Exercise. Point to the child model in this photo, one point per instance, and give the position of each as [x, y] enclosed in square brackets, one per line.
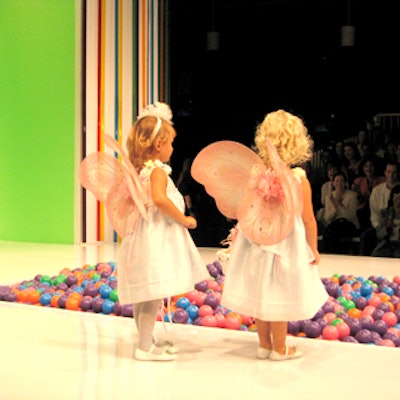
[157, 257]
[272, 272]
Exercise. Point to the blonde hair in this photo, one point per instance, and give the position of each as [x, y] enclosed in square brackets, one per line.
[142, 138]
[288, 134]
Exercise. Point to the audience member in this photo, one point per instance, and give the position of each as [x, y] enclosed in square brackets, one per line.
[351, 162]
[339, 217]
[363, 186]
[378, 202]
[388, 230]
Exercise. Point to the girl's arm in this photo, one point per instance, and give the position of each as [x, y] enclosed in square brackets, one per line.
[309, 220]
[159, 181]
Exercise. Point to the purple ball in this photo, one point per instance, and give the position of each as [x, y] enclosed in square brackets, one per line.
[212, 300]
[380, 326]
[212, 270]
[180, 316]
[86, 303]
[10, 296]
[127, 310]
[218, 265]
[117, 308]
[71, 280]
[349, 339]
[375, 337]
[322, 322]
[201, 286]
[293, 327]
[90, 290]
[355, 325]
[383, 307]
[361, 302]
[97, 304]
[328, 307]
[198, 321]
[363, 336]
[319, 314]
[332, 289]
[393, 337]
[312, 329]
[377, 314]
[366, 323]
[62, 300]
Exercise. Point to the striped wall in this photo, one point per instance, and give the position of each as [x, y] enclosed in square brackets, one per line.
[125, 67]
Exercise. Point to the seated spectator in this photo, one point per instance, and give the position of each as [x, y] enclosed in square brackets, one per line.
[363, 186]
[378, 202]
[388, 230]
[327, 188]
[339, 217]
[351, 161]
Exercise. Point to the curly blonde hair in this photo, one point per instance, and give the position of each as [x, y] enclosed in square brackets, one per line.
[141, 140]
[288, 134]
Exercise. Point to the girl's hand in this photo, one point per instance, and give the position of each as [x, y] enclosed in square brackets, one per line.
[317, 258]
[190, 222]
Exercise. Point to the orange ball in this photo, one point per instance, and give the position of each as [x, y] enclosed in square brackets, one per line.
[72, 303]
[354, 313]
[33, 297]
[54, 300]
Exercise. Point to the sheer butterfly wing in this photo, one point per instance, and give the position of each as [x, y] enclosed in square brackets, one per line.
[116, 184]
[223, 168]
[99, 172]
[263, 201]
[268, 217]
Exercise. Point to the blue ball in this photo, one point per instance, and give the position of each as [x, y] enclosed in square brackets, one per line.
[193, 311]
[45, 299]
[366, 289]
[104, 291]
[108, 306]
[183, 302]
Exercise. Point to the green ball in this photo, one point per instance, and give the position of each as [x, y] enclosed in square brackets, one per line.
[114, 295]
[336, 321]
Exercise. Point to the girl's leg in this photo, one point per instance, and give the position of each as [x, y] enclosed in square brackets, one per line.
[145, 316]
[280, 350]
[264, 334]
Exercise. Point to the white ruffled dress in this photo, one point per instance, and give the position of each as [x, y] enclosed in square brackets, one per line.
[159, 259]
[275, 282]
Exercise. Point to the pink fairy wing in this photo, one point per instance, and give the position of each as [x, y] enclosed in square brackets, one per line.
[223, 168]
[121, 210]
[269, 219]
[134, 184]
[98, 173]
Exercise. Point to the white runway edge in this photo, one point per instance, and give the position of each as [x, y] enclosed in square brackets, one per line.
[49, 353]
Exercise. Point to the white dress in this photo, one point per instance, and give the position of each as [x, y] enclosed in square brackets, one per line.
[276, 282]
[159, 259]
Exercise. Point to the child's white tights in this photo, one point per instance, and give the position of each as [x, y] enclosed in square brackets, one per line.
[145, 315]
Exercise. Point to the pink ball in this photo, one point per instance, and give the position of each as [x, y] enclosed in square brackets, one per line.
[374, 301]
[386, 342]
[205, 310]
[396, 279]
[199, 300]
[330, 332]
[343, 329]
[368, 310]
[213, 285]
[390, 318]
[192, 295]
[330, 316]
[210, 321]
[220, 318]
[232, 323]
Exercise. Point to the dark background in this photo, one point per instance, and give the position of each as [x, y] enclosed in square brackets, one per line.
[280, 54]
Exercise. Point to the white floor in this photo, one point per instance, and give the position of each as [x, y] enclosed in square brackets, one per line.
[48, 353]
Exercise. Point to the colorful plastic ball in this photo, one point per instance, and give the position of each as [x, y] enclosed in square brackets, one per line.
[180, 316]
[45, 278]
[104, 291]
[363, 336]
[114, 295]
[71, 280]
[213, 270]
[73, 303]
[386, 343]
[183, 302]
[90, 290]
[366, 289]
[210, 321]
[193, 311]
[367, 322]
[377, 314]
[313, 329]
[107, 307]
[394, 337]
[62, 300]
[220, 318]
[86, 303]
[192, 295]
[201, 286]
[127, 310]
[349, 339]
[205, 309]
[45, 299]
[199, 300]
[343, 329]
[97, 304]
[330, 332]
[380, 326]
[212, 300]
[233, 322]
[390, 318]
[361, 302]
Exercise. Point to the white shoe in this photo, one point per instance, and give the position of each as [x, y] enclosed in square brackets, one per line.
[167, 347]
[275, 356]
[262, 353]
[142, 355]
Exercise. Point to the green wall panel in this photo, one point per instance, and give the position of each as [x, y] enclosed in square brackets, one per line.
[37, 120]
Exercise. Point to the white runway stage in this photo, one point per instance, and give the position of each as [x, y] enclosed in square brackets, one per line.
[50, 353]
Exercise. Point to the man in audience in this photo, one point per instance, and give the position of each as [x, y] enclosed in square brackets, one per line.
[378, 202]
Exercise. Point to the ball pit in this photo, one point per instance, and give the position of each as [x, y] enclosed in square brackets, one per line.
[359, 309]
